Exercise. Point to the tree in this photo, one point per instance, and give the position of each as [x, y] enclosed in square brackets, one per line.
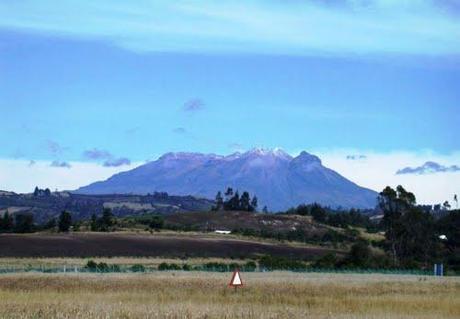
[327, 261]
[389, 203]
[229, 193]
[449, 225]
[265, 210]
[157, 222]
[23, 223]
[104, 223]
[409, 230]
[6, 222]
[359, 255]
[254, 204]
[232, 203]
[244, 202]
[446, 205]
[235, 202]
[219, 201]
[318, 213]
[417, 237]
[106, 220]
[51, 224]
[76, 226]
[36, 191]
[302, 210]
[65, 221]
[94, 225]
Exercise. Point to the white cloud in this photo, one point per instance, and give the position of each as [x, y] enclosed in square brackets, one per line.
[20, 176]
[268, 26]
[378, 170]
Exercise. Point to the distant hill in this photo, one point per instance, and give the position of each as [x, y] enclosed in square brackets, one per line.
[279, 180]
[44, 207]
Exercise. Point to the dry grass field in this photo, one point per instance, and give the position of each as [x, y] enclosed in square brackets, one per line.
[206, 295]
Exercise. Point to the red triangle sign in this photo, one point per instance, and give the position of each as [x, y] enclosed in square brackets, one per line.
[236, 279]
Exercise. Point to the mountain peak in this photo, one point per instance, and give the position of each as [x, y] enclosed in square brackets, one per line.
[187, 156]
[276, 152]
[306, 157]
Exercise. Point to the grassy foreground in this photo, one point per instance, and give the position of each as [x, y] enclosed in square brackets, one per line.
[206, 295]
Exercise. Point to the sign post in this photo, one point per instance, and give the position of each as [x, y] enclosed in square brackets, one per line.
[236, 280]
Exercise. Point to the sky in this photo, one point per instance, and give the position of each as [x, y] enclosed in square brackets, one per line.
[88, 89]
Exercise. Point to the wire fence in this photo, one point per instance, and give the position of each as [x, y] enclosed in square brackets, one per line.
[204, 268]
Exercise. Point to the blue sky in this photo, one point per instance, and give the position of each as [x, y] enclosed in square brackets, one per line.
[136, 79]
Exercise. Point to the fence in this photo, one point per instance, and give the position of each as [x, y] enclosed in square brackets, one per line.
[151, 269]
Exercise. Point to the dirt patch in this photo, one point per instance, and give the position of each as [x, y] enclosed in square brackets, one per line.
[143, 245]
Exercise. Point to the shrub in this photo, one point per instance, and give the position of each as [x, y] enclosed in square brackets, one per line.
[102, 267]
[24, 223]
[137, 268]
[250, 266]
[214, 266]
[91, 264]
[233, 266]
[327, 261]
[65, 221]
[280, 263]
[165, 266]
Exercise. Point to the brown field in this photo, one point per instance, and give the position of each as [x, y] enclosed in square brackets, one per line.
[229, 220]
[166, 245]
[206, 295]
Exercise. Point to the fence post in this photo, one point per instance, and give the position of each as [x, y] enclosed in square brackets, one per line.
[439, 270]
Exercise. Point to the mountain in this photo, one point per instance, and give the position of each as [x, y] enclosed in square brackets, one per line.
[279, 180]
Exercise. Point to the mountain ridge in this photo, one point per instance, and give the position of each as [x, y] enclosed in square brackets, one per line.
[279, 180]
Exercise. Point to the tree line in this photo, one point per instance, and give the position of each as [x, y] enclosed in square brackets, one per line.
[336, 218]
[232, 201]
[24, 222]
[414, 236]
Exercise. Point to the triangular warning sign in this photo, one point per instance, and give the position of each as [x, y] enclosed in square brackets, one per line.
[236, 279]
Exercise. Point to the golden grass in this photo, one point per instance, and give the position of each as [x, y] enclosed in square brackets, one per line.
[206, 295]
[370, 236]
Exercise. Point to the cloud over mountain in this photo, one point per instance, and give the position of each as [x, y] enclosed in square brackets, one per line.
[354, 157]
[428, 168]
[110, 159]
[60, 164]
[116, 162]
